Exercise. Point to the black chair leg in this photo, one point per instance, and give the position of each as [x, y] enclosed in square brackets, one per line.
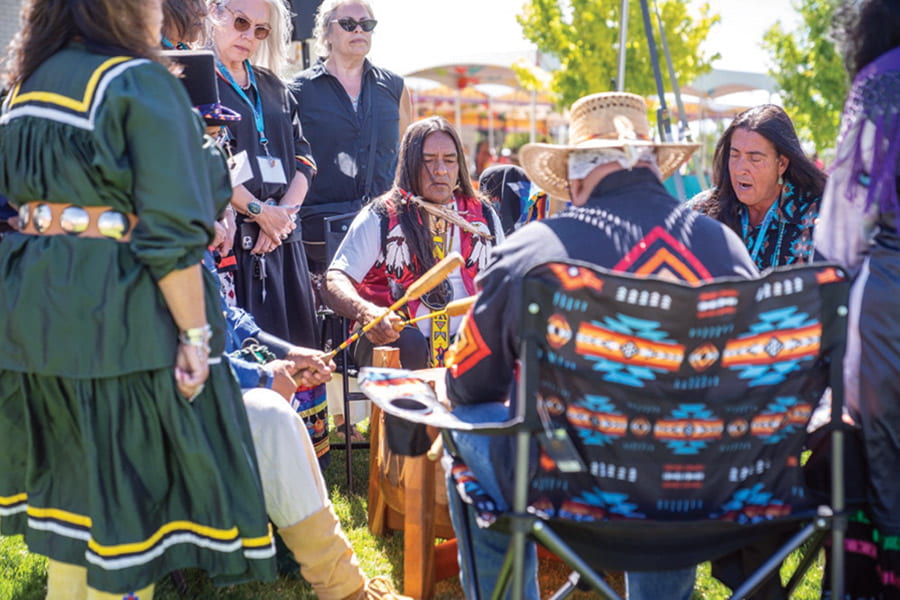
[806, 562]
[504, 578]
[557, 546]
[345, 368]
[771, 566]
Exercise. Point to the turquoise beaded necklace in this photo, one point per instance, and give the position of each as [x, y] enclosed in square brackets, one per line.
[772, 213]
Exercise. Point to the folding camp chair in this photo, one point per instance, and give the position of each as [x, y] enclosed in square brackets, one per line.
[666, 420]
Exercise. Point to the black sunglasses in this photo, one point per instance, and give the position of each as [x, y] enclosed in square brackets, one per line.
[349, 24]
[241, 25]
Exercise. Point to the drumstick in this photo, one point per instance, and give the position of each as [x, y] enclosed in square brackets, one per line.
[437, 448]
[453, 309]
[424, 284]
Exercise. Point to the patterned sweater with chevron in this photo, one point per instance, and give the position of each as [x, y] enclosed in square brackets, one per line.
[629, 223]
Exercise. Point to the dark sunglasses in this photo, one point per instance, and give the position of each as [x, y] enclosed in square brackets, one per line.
[348, 24]
[241, 24]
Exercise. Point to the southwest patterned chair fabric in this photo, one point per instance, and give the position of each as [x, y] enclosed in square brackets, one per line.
[657, 405]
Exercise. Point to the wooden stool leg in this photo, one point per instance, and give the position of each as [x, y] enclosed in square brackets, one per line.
[418, 531]
[378, 508]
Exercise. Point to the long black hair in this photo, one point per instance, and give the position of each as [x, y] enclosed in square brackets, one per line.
[183, 19]
[48, 25]
[866, 30]
[771, 122]
[413, 220]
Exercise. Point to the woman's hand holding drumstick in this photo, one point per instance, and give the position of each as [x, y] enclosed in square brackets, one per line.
[424, 284]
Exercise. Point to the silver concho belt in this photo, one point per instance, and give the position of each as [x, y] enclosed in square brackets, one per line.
[54, 218]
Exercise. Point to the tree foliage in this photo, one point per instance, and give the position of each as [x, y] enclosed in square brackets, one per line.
[584, 36]
[810, 73]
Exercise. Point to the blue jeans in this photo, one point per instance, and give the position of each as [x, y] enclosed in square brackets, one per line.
[487, 548]
[484, 547]
[677, 584]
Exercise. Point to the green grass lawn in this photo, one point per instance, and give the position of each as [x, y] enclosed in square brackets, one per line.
[22, 575]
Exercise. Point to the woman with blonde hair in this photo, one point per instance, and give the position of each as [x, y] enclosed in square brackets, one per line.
[249, 38]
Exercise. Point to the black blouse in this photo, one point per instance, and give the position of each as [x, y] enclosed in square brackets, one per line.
[341, 139]
[282, 128]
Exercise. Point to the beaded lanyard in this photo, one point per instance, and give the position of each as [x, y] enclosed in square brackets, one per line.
[442, 235]
[255, 107]
[760, 236]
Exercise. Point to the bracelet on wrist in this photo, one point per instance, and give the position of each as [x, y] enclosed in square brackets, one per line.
[197, 336]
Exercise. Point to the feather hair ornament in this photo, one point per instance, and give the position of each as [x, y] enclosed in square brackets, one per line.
[442, 212]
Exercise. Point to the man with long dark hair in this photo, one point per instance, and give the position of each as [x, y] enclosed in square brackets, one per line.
[431, 210]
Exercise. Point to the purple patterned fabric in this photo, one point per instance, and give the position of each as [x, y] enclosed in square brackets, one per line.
[874, 97]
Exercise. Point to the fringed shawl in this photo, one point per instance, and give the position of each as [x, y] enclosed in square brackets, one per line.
[869, 155]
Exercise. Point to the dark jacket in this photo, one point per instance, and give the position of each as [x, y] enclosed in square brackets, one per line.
[630, 224]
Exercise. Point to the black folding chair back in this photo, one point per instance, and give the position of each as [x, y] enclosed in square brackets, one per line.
[659, 424]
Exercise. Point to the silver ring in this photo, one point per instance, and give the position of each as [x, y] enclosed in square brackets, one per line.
[284, 236]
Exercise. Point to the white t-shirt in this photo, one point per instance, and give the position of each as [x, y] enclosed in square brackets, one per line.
[362, 247]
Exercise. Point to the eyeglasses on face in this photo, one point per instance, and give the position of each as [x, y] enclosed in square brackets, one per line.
[242, 24]
[349, 24]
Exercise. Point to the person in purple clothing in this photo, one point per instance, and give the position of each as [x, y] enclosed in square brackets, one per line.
[622, 219]
[859, 228]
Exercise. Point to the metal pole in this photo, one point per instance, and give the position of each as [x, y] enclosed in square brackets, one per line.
[685, 132]
[305, 54]
[662, 115]
[458, 111]
[623, 41]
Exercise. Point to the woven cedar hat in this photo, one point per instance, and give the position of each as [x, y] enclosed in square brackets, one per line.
[607, 120]
[198, 74]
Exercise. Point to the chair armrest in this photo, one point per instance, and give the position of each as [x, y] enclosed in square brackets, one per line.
[403, 394]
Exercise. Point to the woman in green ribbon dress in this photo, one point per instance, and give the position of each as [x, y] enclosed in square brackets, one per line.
[124, 446]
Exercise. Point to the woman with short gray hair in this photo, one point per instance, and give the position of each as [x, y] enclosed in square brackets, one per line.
[354, 115]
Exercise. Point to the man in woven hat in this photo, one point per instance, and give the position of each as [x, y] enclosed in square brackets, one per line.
[621, 218]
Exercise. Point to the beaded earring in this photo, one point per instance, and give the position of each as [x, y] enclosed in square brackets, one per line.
[780, 180]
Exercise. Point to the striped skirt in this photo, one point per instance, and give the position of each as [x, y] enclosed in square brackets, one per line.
[123, 476]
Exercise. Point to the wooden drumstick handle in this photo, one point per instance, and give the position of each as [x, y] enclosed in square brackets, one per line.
[432, 277]
[453, 309]
[461, 306]
[437, 448]
[424, 284]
